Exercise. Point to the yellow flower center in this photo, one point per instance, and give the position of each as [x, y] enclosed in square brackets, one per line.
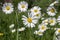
[35, 10]
[58, 30]
[23, 6]
[52, 10]
[29, 20]
[37, 14]
[51, 21]
[43, 27]
[1, 34]
[8, 7]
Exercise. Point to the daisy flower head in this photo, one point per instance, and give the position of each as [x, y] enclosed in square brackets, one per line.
[46, 21]
[42, 27]
[7, 8]
[29, 21]
[38, 15]
[57, 31]
[52, 21]
[22, 6]
[51, 11]
[38, 33]
[35, 10]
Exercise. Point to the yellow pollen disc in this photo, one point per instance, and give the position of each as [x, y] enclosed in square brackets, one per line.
[29, 20]
[8, 7]
[51, 21]
[43, 27]
[22, 6]
[1, 34]
[37, 14]
[52, 10]
[35, 10]
[58, 30]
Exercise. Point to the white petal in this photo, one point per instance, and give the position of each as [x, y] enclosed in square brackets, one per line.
[32, 25]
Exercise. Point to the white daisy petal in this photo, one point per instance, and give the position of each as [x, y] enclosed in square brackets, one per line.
[32, 25]
[11, 26]
[38, 33]
[21, 29]
[58, 19]
[14, 30]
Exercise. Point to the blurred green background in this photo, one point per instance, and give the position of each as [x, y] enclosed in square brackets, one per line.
[7, 19]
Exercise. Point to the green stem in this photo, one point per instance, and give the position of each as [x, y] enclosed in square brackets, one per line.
[17, 25]
[30, 34]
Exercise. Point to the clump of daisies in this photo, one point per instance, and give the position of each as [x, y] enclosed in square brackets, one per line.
[51, 21]
[22, 6]
[32, 19]
[42, 28]
[7, 8]
[36, 10]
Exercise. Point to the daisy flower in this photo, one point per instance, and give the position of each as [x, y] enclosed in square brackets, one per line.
[42, 27]
[38, 33]
[52, 21]
[38, 15]
[23, 6]
[29, 21]
[51, 11]
[7, 8]
[57, 31]
[35, 10]
[46, 21]
[21, 29]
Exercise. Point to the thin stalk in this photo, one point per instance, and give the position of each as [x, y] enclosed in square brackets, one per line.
[30, 30]
[17, 25]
